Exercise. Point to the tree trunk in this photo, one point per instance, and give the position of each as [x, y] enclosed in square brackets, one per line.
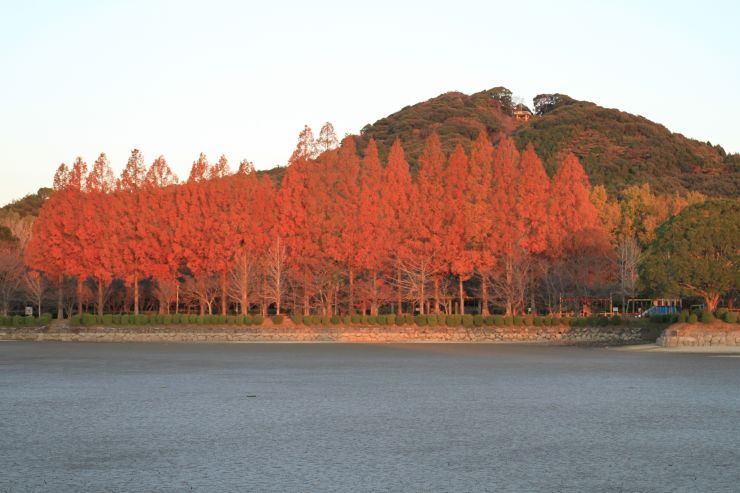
[101, 288]
[374, 304]
[351, 293]
[711, 300]
[305, 296]
[462, 294]
[223, 293]
[60, 298]
[79, 296]
[177, 298]
[245, 291]
[484, 295]
[399, 308]
[436, 296]
[136, 295]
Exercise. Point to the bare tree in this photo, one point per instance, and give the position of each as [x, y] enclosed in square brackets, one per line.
[628, 257]
[275, 273]
[167, 291]
[35, 286]
[202, 290]
[242, 280]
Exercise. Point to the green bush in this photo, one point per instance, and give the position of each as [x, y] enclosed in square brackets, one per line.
[478, 320]
[509, 321]
[346, 319]
[408, 319]
[467, 320]
[453, 320]
[499, 320]
[257, 319]
[247, 320]
[720, 313]
[432, 320]
[29, 320]
[88, 320]
[356, 318]
[336, 319]
[684, 316]
[518, 320]
[420, 320]
[489, 320]
[141, 320]
[526, 321]
[693, 318]
[730, 317]
[372, 320]
[167, 319]
[107, 319]
[277, 319]
[707, 317]
[46, 318]
[297, 319]
[400, 320]
[537, 321]
[75, 320]
[125, 319]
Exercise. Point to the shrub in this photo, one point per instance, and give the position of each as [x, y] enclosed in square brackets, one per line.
[693, 318]
[372, 320]
[683, 316]
[107, 319]
[478, 320]
[75, 320]
[46, 318]
[707, 317]
[537, 321]
[257, 319]
[166, 319]
[467, 320]
[357, 319]
[88, 320]
[29, 321]
[720, 313]
[508, 321]
[499, 320]
[336, 319]
[408, 319]
[3, 321]
[247, 320]
[347, 319]
[432, 320]
[325, 320]
[730, 317]
[518, 320]
[297, 319]
[277, 319]
[420, 320]
[363, 319]
[526, 320]
[400, 320]
[453, 320]
[489, 320]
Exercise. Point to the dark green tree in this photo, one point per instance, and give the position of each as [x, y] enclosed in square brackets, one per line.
[696, 253]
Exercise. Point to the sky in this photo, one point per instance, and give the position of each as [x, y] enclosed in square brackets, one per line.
[78, 78]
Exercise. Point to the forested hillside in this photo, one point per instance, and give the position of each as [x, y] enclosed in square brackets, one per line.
[617, 149]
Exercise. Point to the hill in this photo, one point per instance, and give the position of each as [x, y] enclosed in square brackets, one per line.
[617, 149]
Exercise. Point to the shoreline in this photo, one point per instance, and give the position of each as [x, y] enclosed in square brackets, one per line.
[546, 335]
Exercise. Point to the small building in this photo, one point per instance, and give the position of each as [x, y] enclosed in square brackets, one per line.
[522, 113]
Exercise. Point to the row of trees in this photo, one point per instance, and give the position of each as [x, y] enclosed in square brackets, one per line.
[343, 233]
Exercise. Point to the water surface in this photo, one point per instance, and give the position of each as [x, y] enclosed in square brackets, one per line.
[334, 417]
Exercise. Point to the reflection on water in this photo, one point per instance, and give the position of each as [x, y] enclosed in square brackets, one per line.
[315, 417]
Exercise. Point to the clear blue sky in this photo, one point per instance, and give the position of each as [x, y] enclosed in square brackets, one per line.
[242, 78]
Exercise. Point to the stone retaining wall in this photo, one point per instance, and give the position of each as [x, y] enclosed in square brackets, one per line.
[372, 334]
[697, 335]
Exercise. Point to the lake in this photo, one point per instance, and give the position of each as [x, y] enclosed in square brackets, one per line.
[344, 417]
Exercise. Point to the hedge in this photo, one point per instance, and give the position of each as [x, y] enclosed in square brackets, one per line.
[730, 317]
[707, 317]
